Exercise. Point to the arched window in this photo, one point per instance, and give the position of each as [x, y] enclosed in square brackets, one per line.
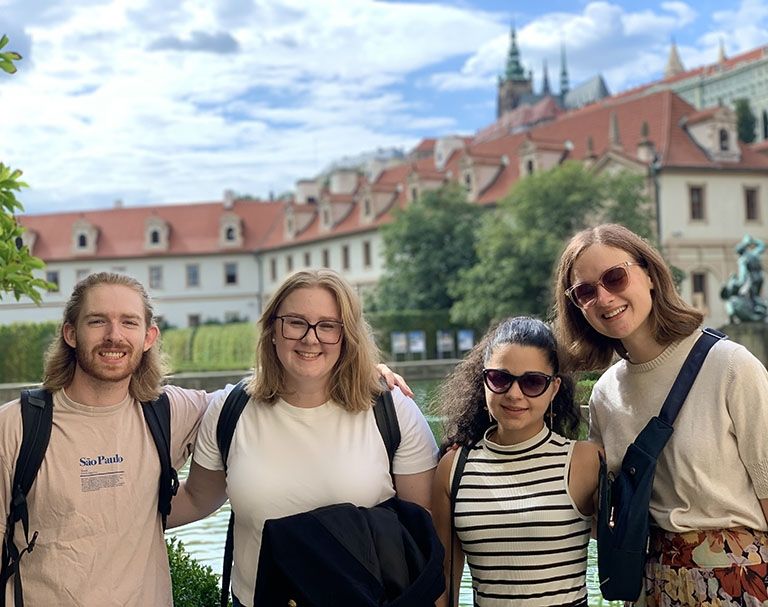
[529, 167]
[230, 234]
[723, 140]
[154, 236]
[82, 241]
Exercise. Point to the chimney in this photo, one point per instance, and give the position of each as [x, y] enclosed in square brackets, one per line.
[229, 199]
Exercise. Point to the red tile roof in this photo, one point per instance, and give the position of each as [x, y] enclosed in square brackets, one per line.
[194, 229]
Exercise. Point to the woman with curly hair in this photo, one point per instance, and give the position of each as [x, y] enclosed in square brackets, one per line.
[522, 513]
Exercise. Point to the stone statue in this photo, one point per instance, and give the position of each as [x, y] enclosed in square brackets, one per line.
[742, 292]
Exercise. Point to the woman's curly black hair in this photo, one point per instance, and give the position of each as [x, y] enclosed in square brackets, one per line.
[460, 400]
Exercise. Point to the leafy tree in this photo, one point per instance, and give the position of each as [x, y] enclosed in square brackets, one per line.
[424, 248]
[519, 244]
[16, 262]
[745, 120]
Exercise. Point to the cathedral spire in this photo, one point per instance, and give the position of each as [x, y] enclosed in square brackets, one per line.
[721, 52]
[564, 85]
[514, 71]
[674, 65]
[545, 90]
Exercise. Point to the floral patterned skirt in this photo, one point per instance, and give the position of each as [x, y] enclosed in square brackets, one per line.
[716, 567]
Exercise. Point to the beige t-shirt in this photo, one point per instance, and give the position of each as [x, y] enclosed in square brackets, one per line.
[94, 503]
[715, 466]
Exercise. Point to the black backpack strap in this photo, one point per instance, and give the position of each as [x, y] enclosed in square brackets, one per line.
[157, 414]
[690, 369]
[458, 470]
[36, 421]
[388, 425]
[228, 417]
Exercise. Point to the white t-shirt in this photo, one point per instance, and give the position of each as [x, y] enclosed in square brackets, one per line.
[286, 459]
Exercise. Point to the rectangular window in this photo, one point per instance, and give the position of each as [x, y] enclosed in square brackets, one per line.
[52, 276]
[155, 277]
[751, 210]
[273, 269]
[230, 273]
[193, 275]
[696, 198]
[345, 257]
[699, 288]
[326, 259]
[307, 259]
[367, 253]
[289, 263]
[193, 320]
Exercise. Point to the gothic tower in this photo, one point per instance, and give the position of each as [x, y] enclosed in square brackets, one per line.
[514, 84]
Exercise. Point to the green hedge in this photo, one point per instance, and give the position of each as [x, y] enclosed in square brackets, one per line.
[23, 347]
[211, 347]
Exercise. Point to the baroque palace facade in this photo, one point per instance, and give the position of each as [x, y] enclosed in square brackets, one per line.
[221, 259]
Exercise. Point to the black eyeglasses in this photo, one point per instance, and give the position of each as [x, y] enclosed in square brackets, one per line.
[296, 328]
[531, 383]
[614, 280]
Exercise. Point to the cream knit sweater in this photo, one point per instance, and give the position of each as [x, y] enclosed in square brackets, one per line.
[715, 467]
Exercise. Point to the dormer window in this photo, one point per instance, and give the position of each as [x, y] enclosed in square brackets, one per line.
[230, 230]
[529, 167]
[367, 206]
[468, 181]
[723, 140]
[156, 234]
[84, 236]
[326, 217]
[414, 193]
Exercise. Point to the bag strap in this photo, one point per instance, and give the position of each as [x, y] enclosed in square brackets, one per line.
[458, 470]
[36, 422]
[388, 425]
[225, 429]
[690, 369]
[157, 415]
[653, 438]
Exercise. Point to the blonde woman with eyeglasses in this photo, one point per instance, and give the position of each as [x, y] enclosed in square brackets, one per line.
[709, 543]
[307, 437]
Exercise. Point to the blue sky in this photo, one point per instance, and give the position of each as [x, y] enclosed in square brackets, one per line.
[169, 101]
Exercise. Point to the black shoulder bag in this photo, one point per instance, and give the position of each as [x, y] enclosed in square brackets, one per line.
[623, 520]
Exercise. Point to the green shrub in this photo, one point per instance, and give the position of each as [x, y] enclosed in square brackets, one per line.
[194, 585]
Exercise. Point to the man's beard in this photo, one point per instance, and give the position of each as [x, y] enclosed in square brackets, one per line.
[88, 362]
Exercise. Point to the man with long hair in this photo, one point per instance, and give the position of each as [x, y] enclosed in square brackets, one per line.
[94, 502]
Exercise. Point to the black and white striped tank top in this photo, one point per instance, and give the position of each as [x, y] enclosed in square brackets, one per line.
[524, 539]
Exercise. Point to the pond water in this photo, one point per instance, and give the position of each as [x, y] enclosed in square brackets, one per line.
[204, 540]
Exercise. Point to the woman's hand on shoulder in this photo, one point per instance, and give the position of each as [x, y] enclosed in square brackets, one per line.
[393, 379]
[584, 473]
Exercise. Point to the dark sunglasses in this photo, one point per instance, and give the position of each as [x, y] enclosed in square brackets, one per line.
[531, 383]
[614, 280]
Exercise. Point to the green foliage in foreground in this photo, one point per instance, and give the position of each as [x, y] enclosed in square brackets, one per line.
[194, 585]
[16, 262]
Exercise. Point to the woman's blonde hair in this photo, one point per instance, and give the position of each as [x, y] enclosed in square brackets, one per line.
[61, 359]
[670, 318]
[353, 383]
